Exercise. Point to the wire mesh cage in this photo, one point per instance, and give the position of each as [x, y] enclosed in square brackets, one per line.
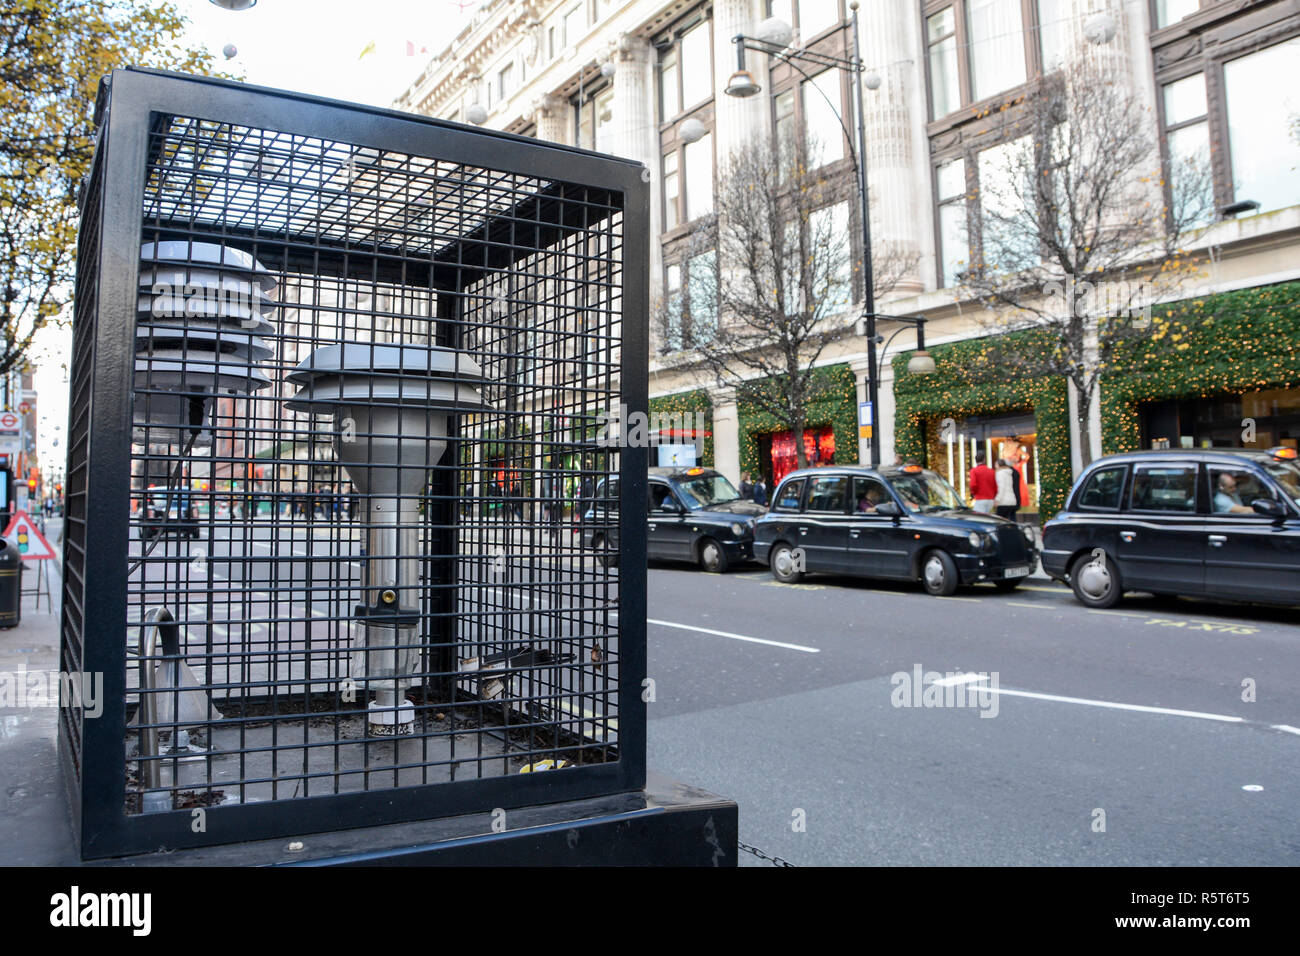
[340, 378]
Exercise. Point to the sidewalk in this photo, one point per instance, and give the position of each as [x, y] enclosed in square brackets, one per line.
[35, 828]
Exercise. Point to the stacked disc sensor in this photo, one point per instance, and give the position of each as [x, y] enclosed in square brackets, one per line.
[200, 331]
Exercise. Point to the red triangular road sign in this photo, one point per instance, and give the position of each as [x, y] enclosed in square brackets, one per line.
[31, 544]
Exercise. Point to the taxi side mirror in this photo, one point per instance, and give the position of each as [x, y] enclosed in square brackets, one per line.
[889, 509]
[671, 506]
[1269, 507]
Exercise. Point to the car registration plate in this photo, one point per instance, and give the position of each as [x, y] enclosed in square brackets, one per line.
[1017, 572]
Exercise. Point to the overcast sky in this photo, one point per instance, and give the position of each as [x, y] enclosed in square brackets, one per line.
[310, 46]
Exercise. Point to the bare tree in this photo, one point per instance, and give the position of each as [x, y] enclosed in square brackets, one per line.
[771, 281]
[1073, 233]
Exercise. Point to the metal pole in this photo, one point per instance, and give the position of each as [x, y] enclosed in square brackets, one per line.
[868, 278]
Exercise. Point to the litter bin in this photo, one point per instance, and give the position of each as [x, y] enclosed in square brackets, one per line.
[11, 585]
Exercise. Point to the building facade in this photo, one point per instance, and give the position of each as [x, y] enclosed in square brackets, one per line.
[1220, 79]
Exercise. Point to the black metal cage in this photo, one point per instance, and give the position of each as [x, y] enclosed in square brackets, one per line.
[341, 382]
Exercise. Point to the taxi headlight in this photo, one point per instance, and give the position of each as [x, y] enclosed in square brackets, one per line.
[738, 529]
[1028, 533]
[976, 540]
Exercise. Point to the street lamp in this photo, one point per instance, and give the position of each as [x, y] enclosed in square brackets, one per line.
[773, 37]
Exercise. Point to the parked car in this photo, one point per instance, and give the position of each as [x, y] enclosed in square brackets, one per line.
[903, 523]
[1222, 523]
[693, 514]
[169, 512]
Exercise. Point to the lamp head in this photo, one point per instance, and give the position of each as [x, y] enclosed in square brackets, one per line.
[921, 363]
[742, 84]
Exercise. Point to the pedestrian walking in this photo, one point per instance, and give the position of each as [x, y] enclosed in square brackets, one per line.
[1007, 500]
[759, 492]
[983, 484]
[746, 486]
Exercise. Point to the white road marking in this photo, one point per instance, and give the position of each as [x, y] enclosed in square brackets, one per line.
[960, 679]
[735, 637]
[1287, 728]
[1113, 705]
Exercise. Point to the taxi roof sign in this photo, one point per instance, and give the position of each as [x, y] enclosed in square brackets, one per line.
[23, 534]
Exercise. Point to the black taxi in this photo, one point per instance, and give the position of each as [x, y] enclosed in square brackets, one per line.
[1195, 522]
[693, 514]
[902, 522]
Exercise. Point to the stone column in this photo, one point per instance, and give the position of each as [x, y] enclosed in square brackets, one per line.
[552, 119]
[737, 121]
[726, 433]
[898, 210]
[861, 373]
[637, 137]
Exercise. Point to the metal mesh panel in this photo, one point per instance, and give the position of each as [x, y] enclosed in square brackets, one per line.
[372, 561]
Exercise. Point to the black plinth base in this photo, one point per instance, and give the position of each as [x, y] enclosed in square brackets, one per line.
[667, 824]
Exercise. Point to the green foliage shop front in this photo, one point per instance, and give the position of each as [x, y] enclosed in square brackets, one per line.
[941, 419]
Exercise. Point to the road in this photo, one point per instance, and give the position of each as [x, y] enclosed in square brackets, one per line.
[1132, 719]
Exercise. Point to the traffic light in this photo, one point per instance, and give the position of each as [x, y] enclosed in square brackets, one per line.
[31, 484]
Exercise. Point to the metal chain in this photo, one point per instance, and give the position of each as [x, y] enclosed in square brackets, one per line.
[774, 860]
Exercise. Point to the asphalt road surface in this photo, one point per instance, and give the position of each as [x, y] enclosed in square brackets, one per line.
[1114, 738]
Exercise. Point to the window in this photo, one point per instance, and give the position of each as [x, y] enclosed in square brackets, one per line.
[702, 305]
[954, 244]
[698, 166]
[671, 191]
[1103, 489]
[692, 314]
[670, 94]
[867, 494]
[1262, 94]
[828, 494]
[997, 53]
[1168, 488]
[822, 109]
[945, 81]
[1053, 33]
[783, 123]
[594, 120]
[1002, 188]
[505, 80]
[1187, 134]
[810, 17]
[673, 334]
[829, 239]
[697, 65]
[1233, 489]
[1171, 11]
[789, 495]
[976, 49]
[572, 25]
[552, 44]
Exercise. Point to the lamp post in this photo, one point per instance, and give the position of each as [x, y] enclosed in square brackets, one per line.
[774, 38]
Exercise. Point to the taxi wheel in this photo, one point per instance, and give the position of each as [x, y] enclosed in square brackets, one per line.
[712, 557]
[1095, 581]
[782, 563]
[939, 573]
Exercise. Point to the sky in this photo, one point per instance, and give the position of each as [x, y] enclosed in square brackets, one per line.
[309, 46]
